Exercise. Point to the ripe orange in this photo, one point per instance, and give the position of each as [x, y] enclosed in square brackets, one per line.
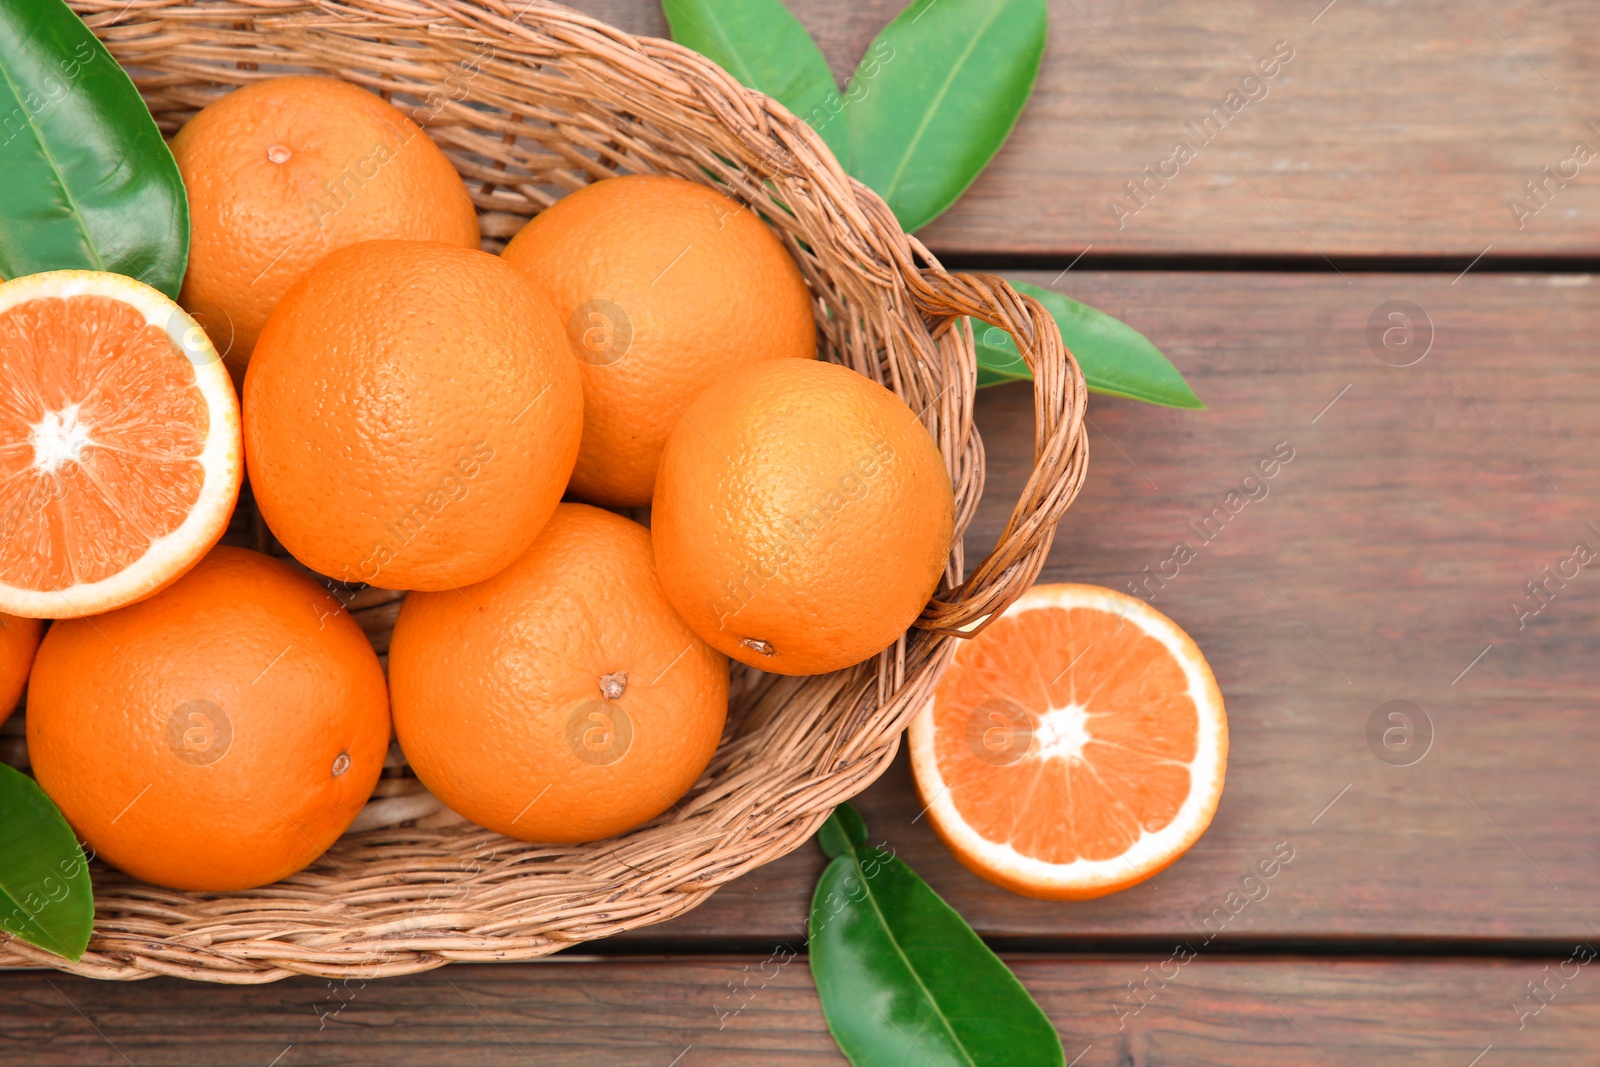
[284, 171]
[562, 700]
[411, 414]
[802, 517]
[220, 735]
[19, 640]
[664, 286]
[1075, 747]
[119, 443]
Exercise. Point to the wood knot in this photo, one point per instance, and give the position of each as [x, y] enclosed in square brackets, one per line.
[613, 685]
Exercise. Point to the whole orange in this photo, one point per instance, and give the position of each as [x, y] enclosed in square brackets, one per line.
[19, 640]
[562, 700]
[411, 415]
[664, 286]
[802, 518]
[284, 171]
[219, 735]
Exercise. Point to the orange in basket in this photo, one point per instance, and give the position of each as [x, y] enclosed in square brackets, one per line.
[219, 735]
[284, 171]
[119, 443]
[529, 113]
[19, 640]
[666, 286]
[563, 699]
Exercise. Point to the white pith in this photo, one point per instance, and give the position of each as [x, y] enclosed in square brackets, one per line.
[59, 438]
[1062, 732]
[1057, 734]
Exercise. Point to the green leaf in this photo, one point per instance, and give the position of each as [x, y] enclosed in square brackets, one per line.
[1116, 359]
[766, 48]
[89, 183]
[903, 979]
[45, 898]
[936, 97]
[844, 832]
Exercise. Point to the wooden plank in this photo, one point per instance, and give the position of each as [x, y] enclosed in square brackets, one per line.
[1395, 129]
[1380, 566]
[1383, 561]
[1208, 1011]
[1393, 544]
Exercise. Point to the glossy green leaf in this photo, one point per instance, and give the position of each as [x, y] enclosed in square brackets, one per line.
[766, 48]
[902, 978]
[1116, 359]
[936, 97]
[88, 181]
[45, 898]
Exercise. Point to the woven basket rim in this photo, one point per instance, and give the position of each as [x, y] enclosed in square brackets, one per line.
[888, 309]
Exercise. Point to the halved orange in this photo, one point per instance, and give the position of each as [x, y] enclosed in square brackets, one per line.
[120, 453]
[1075, 747]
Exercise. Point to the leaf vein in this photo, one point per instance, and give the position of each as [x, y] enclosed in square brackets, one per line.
[938, 101]
[55, 169]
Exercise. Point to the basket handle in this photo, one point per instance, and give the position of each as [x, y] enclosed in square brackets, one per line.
[1060, 444]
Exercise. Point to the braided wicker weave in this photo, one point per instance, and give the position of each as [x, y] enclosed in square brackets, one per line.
[532, 102]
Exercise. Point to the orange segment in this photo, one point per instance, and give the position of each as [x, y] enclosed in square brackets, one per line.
[119, 443]
[1074, 748]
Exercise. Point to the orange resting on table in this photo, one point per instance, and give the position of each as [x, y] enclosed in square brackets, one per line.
[120, 456]
[1075, 747]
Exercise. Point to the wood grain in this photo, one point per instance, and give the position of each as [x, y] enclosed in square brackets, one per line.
[1396, 129]
[1209, 1011]
[1383, 560]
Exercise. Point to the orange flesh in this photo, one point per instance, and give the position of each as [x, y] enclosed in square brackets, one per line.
[102, 426]
[1138, 733]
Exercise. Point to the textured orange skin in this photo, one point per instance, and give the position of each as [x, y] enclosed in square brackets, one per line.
[706, 287]
[802, 505]
[357, 170]
[487, 684]
[411, 415]
[104, 689]
[19, 640]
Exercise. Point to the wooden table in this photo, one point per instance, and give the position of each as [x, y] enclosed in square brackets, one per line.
[1437, 913]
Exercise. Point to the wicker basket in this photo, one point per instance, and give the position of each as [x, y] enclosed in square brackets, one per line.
[533, 102]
